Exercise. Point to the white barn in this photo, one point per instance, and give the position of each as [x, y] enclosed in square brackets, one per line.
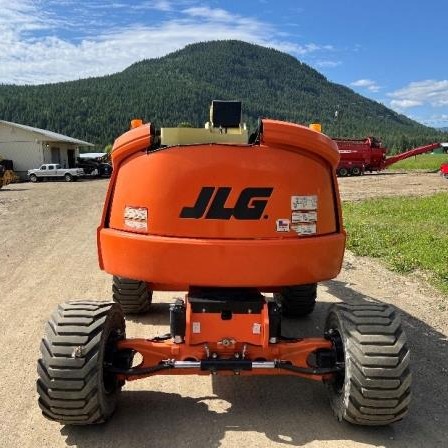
[30, 147]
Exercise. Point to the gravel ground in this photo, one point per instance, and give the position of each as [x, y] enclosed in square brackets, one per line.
[48, 255]
[388, 183]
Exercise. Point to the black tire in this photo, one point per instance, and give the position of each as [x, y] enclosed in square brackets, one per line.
[68, 177]
[375, 386]
[356, 171]
[72, 386]
[33, 178]
[134, 296]
[297, 301]
[342, 172]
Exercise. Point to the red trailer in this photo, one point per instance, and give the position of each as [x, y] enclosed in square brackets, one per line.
[444, 170]
[361, 155]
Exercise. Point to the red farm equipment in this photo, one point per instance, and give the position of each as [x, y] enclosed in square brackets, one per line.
[361, 155]
[444, 170]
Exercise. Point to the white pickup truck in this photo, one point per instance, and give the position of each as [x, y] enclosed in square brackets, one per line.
[55, 171]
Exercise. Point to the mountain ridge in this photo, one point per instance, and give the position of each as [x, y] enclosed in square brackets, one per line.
[179, 87]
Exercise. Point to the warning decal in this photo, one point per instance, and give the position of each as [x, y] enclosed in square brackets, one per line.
[310, 216]
[305, 228]
[304, 202]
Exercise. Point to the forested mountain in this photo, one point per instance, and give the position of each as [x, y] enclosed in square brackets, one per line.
[180, 86]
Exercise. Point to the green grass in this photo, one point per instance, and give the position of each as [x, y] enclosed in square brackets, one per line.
[430, 162]
[407, 233]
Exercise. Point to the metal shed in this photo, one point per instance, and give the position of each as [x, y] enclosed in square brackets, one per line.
[30, 147]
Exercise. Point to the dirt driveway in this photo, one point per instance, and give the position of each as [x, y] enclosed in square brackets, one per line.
[391, 183]
[48, 255]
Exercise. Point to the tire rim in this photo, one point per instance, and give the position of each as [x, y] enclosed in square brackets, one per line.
[339, 377]
[110, 382]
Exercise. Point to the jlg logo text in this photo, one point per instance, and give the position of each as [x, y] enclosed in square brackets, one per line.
[211, 204]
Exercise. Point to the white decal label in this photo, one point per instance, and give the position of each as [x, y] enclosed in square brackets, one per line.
[138, 213]
[136, 218]
[310, 216]
[138, 225]
[196, 327]
[282, 225]
[256, 328]
[304, 202]
[305, 229]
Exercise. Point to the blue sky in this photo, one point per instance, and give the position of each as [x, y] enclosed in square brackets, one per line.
[392, 51]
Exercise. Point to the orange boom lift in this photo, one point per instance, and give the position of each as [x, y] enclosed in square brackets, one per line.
[247, 226]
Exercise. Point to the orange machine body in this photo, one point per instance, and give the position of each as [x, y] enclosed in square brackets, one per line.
[261, 215]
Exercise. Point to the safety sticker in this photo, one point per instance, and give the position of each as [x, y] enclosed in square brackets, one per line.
[282, 225]
[139, 225]
[310, 216]
[304, 202]
[196, 327]
[305, 228]
[256, 328]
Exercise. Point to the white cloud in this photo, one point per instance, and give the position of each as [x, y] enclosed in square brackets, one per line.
[161, 5]
[404, 104]
[436, 120]
[327, 64]
[429, 92]
[20, 17]
[368, 84]
[101, 46]
[219, 15]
